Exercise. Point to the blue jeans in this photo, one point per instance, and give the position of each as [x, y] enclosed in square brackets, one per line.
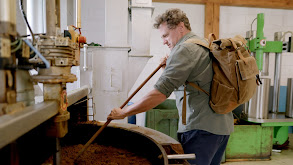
[207, 147]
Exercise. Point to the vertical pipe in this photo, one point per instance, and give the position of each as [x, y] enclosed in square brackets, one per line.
[12, 12]
[78, 13]
[252, 104]
[289, 99]
[35, 16]
[8, 11]
[263, 103]
[85, 57]
[58, 24]
[277, 83]
[8, 17]
[57, 155]
[265, 68]
[51, 17]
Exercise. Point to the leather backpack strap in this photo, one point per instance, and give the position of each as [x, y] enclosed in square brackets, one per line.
[211, 38]
[237, 49]
[184, 107]
[198, 42]
[184, 99]
[197, 87]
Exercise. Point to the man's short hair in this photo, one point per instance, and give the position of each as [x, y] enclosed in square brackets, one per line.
[172, 17]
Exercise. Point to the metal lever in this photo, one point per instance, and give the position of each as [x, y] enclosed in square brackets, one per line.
[179, 156]
[182, 156]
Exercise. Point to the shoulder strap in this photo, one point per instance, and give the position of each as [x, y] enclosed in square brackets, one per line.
[197, 87]
[198, 42]
[184, 99]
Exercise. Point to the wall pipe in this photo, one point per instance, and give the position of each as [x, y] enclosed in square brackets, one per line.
[85, 67]
[78, 13]
[51, 17]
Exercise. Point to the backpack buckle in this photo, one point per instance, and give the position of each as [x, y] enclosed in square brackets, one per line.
[258, 81]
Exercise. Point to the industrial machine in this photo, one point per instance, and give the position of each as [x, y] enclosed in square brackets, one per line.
[31, 133]
[263, 127]
[258, 110]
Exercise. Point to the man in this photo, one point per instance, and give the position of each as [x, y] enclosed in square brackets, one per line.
[206, 133]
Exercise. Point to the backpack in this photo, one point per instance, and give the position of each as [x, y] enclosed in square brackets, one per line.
[235, 74]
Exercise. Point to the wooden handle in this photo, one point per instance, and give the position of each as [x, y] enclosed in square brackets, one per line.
[108, 121]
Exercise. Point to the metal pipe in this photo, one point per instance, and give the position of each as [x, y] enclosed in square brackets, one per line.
[38, 53]
[263, 99]
[85, 57]
[35, 15]
[78, 13]
[8, 11]
[58, 23]
[289, 98]
[181, 156]
[57, 155]
[51, 17]
[265, 67]
[277, 82]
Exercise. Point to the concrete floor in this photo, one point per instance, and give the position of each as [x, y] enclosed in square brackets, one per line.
[283, 158]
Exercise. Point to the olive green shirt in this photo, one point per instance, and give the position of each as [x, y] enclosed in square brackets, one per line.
[191, 62]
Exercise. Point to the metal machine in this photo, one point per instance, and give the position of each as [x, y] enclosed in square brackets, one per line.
[29, 132]
[262, 128]
[258, 109]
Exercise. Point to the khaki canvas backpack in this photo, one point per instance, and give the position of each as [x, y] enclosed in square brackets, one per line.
[235, 74]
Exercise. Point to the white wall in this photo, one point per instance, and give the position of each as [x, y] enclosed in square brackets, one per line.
[93, 20]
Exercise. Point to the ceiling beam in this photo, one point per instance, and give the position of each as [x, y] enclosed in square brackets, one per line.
[274, 4]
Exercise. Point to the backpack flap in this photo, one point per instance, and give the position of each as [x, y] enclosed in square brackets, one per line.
[247, 69]
[246, 76]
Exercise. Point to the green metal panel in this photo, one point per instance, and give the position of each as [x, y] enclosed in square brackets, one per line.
[259, 38]
[250, 142]
[271, 46]
[164, 118]
[274, 47]
[280, 135]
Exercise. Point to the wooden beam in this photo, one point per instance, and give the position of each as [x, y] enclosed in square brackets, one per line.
[216, 19]
[183, 1]
[212, 16]
[208, 20]
[274, 4]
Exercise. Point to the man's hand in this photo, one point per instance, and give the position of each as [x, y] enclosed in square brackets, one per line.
[117, 113]
[163, 61]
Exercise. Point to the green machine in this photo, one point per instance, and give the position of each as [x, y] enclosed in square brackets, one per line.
[261, 49]
[266, 127]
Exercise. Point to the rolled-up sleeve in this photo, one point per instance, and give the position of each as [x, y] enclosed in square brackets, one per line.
[178, 67]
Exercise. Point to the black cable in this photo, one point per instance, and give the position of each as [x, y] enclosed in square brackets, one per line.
[25, 20]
